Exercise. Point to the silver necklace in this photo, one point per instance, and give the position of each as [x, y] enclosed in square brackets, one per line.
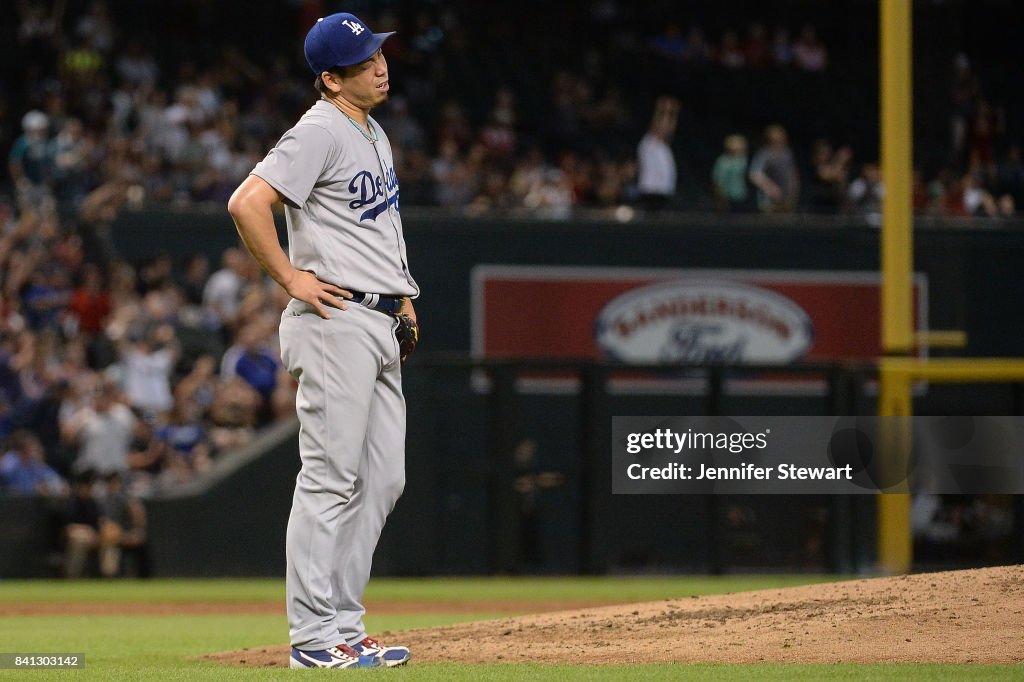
[374, 138]
[362, 131]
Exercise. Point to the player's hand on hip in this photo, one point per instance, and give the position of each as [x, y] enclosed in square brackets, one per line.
[408, 309]
[305, 286]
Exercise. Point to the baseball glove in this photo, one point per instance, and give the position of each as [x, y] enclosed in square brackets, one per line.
[407, 333]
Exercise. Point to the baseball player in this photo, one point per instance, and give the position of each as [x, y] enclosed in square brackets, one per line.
[344, 334]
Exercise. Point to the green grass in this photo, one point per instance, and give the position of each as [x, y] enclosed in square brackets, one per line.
[150, 647]
[227, 590]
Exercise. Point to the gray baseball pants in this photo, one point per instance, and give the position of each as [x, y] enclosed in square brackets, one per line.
[352, 444]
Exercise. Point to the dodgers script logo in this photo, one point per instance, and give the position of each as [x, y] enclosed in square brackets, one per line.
[369, 188]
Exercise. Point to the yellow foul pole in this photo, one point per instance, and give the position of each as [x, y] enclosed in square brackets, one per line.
[894, 533]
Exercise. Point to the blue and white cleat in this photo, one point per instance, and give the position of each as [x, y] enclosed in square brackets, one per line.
[340, 656]
[389, 656]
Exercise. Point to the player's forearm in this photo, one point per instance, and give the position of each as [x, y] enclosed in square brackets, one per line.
[259, 234]
[251, 208]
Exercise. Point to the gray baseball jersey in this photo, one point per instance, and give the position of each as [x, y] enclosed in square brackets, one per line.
[341, 203]
[348, 232]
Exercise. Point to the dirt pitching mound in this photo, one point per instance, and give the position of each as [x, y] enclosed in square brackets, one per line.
[973, 616]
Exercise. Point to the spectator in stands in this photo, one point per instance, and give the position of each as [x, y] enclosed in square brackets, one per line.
[71, 154]
[920, 193]
[81, 524]
[782, 48]
[984, 127]
[866, 193]
[655, 159]
[499, 133]
[87, 531]
[254, 359]
[95, 28]
[1007, 206]
[17, 355]
[527, 173]
[82, 66]
[100, 208]
[222, 295]
[234, 414]
[38, 371]
[102, 431]
[6, 413]
[757, 51]
[729, 176]
[31, 162]
[198, 386]
[24, 471]
[45, 295]
[135, 66]
[454, 179]
[145, 457]
[182, 445]
[90, 303]
[147, 360]
[698, 50]
[826, 191]
[454, 125]
[809, 54]
[948, 190]
[670, 45]
[979, 201]
[552, 197]
[42, 417]
[773, 172]
[129, 130]
[579, 175]
[730, 53]
[1010, 175]
[124, 523]
[610, 185]
[192, 278]
[155, 275]
[494, 195]
[966, 91]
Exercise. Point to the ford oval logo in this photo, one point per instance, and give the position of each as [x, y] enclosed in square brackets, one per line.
[703, 321]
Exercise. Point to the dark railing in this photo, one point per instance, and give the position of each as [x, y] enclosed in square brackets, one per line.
[590, 382]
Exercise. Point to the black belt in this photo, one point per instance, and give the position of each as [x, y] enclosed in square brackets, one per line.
[389, 305]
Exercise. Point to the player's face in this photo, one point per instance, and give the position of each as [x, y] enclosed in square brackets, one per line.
[367, 83]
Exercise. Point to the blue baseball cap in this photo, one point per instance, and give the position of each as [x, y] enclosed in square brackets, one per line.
[340, 40]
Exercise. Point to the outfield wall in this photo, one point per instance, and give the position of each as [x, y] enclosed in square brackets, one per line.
[973, 270]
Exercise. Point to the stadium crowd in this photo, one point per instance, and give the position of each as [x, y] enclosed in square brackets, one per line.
[102, 105]
[150, 370]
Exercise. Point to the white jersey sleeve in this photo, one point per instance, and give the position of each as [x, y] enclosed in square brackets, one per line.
[297, 162]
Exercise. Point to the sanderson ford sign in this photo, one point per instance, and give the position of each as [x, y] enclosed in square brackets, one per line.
[701, 321]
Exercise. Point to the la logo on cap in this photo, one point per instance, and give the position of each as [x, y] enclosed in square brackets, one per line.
[355, 27]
